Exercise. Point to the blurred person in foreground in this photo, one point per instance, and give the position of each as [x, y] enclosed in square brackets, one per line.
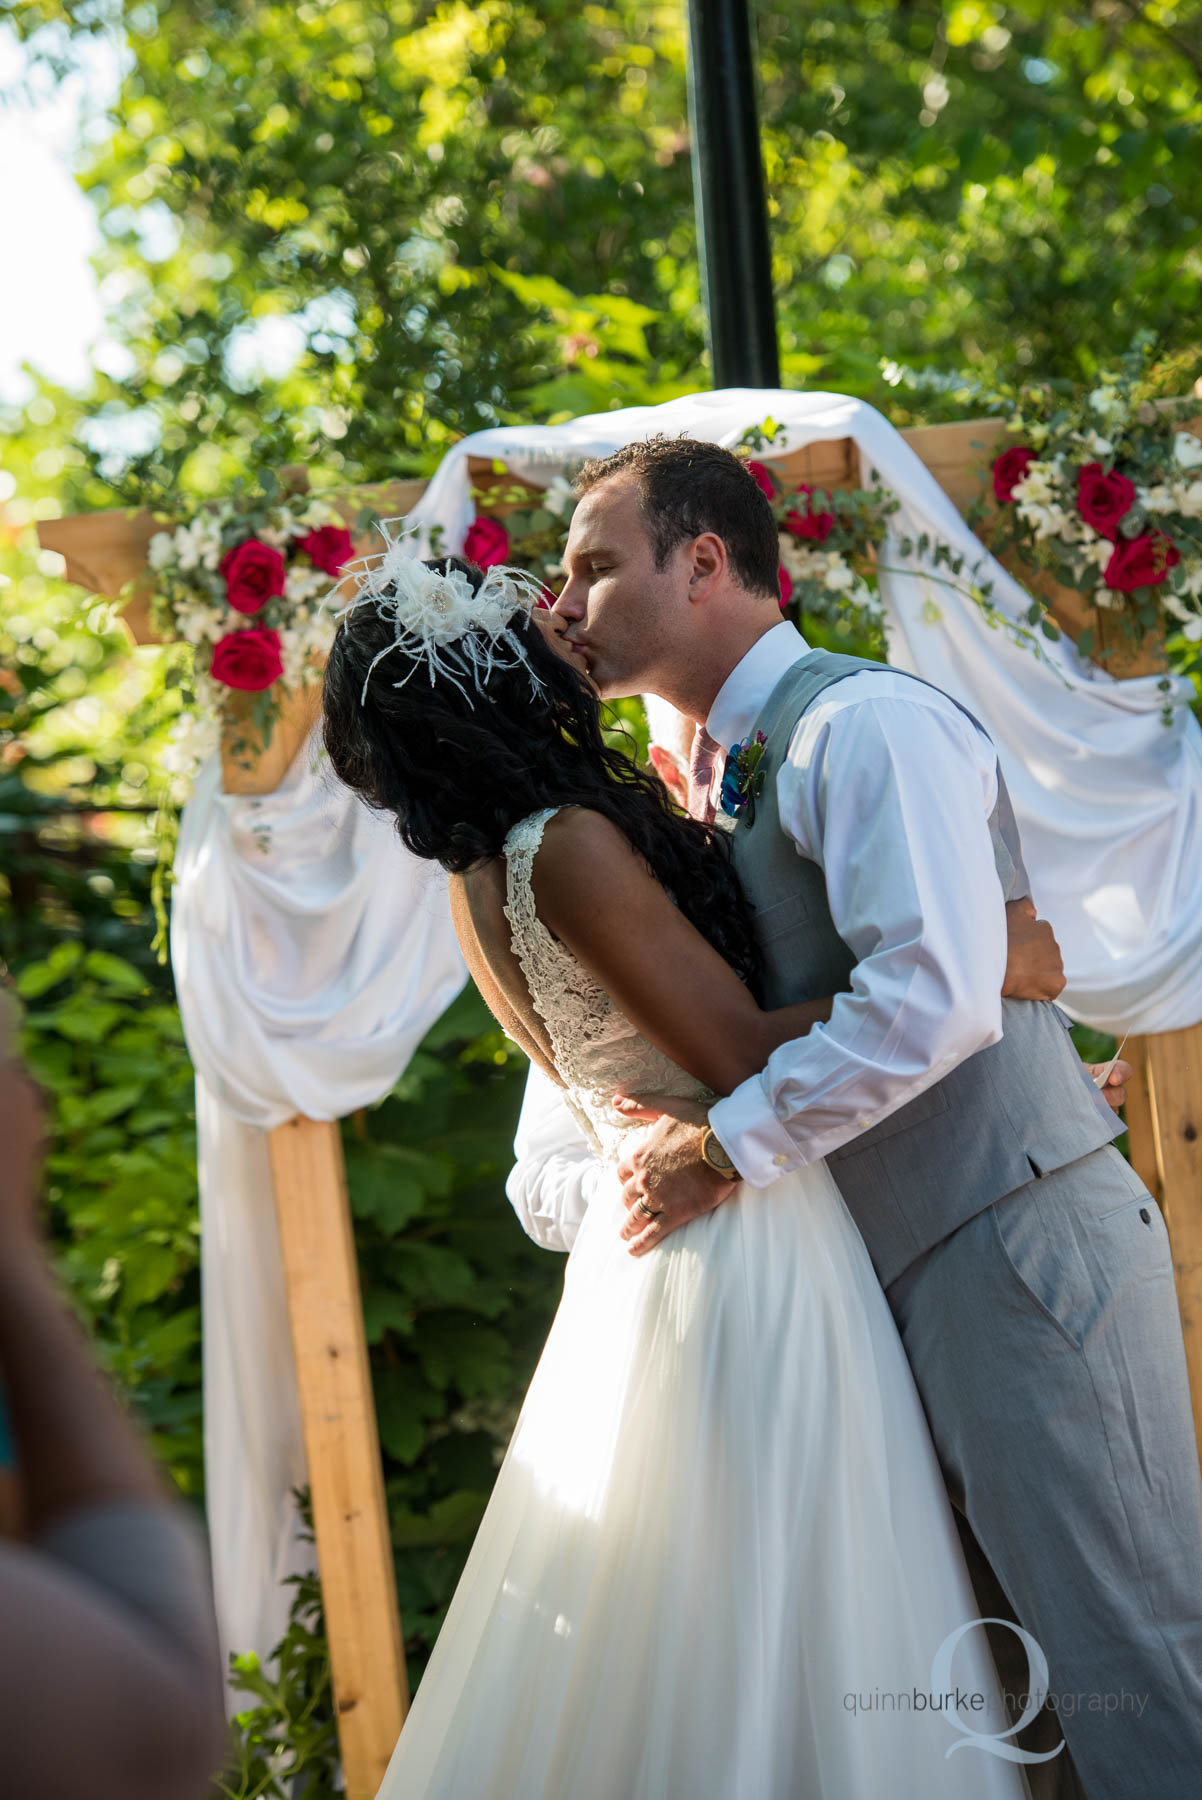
[112, 1679]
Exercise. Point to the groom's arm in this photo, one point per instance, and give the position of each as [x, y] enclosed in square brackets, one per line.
[890, 794]
[556, 1170]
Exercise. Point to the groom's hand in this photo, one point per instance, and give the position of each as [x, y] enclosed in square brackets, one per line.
[1114, 1088]
[1034, 967]
[665, 1180]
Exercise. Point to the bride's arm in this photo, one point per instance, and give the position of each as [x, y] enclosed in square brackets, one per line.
[597, 895]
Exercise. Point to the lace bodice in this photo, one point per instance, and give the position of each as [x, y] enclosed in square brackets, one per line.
[597, 1050]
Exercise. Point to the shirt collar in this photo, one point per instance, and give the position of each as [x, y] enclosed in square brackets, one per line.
[741, 697]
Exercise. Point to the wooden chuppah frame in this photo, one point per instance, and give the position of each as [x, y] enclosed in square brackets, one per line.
[104, 552]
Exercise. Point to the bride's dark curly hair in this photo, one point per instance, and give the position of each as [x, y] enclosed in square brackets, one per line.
[457, 775]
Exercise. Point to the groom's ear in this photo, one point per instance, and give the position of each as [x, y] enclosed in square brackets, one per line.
[707, 565]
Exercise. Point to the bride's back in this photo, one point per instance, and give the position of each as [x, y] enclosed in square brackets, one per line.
[546, 1000]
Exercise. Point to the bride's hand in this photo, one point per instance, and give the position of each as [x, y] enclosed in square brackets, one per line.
[648, 1107]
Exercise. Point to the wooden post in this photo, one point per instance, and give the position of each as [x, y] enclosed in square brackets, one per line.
[354, 1548]
[1141, 1129]
[1174, 1065]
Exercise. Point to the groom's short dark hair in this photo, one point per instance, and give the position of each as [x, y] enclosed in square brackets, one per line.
[687, 487]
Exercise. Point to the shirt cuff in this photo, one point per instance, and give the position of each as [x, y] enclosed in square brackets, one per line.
[753, 1137]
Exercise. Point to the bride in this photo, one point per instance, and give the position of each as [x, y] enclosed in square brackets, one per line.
[719, 1562]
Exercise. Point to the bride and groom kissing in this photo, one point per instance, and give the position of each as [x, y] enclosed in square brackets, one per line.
[871, 1333]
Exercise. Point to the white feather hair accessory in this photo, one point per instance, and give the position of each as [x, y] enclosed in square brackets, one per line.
[458, 632]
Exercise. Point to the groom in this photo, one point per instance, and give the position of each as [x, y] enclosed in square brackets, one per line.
[1026, 1266]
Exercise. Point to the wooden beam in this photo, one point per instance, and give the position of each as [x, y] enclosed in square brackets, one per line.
[1174, 1063]
[1141, 1131]
[350, 1518]
[250, 767]
[102, 550]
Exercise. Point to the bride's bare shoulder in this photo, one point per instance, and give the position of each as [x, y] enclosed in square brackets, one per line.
[577, 834]
[584, 859]
[580, 855]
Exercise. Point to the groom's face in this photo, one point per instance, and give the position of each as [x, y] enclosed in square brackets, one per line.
[620, 611]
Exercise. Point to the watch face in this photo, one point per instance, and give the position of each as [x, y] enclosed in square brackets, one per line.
[715, 1155]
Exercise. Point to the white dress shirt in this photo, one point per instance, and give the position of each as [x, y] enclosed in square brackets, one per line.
[556, 1170]
[888, 787]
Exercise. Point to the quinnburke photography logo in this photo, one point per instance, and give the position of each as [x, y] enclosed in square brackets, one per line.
[995, 1743]
[981, 1718]
[973, 1713]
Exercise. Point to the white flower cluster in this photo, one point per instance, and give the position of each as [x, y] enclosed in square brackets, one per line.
[1046, 502]
[1175, 604]
[305, 644]
[194, 546]
[559, 497]
[831, 571]
[194, 736]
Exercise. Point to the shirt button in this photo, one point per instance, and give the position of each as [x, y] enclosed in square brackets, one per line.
[780, 1161]
[863, 1124]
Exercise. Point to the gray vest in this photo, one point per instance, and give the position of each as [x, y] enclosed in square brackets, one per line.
[1012, 1112]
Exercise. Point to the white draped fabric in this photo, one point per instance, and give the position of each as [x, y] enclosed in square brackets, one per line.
[1108, 799]
[311, 954]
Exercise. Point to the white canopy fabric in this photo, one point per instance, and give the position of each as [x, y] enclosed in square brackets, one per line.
[1108, 799]
[311, 955]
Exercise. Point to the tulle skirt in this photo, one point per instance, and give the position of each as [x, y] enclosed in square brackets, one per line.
[719, 1562]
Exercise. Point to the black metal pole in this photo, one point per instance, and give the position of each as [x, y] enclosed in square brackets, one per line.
[728, 193]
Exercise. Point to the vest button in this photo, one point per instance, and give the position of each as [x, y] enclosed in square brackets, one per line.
[1145, 1215]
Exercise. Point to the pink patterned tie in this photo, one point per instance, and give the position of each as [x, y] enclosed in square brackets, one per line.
[702, 757]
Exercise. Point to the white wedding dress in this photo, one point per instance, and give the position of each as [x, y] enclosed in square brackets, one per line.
[719, 1560]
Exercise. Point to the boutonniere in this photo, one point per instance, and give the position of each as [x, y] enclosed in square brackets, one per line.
[743, 777]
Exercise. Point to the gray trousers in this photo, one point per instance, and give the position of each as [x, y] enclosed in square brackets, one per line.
[1046, 1343]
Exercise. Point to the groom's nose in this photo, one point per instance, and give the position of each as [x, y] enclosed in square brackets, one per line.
[570, 603]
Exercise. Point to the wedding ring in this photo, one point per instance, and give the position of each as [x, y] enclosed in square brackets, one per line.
[650, 1211]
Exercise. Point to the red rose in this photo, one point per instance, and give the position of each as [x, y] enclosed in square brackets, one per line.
[254, 574]
[809, 524]
[786, 586]
[249, 660]
[329, 548]
[1103, 499]
[1141, 562]
[762, 479]
[1009, 470]
[486, 543]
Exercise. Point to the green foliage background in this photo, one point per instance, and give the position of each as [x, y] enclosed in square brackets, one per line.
[458, 215]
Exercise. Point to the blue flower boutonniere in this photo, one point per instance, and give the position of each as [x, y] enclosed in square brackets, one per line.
[743, 777]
